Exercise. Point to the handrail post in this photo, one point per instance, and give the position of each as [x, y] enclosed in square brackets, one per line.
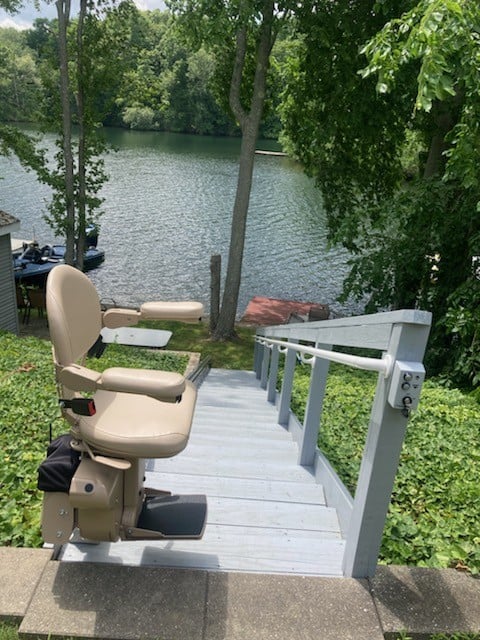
[287, 386]
[257, 358]
[272, 379]
[313, 411]
[264, 370]
[379, 465]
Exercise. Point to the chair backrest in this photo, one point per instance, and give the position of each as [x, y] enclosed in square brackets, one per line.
[74, 314]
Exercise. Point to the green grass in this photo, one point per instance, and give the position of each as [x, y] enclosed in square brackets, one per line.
[117, 355]
[237, 354]
[8, 631]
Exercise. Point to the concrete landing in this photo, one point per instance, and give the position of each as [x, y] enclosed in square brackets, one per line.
[117, 602]
[426, 601]
[20, 571]
[55, 599]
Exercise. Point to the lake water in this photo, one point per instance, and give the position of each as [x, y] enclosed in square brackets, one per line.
[168, 207]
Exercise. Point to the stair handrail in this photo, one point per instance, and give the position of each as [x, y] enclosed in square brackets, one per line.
[382, 365]
[401, 336]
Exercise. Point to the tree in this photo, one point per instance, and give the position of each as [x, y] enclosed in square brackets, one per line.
[242, 36]
[77, 66]
[388, 125]
[443, 39]
[26, 150]
[78, 73]
[15, 68]
[167, 86]
[11, 6]
[19, 81]
[67, 189]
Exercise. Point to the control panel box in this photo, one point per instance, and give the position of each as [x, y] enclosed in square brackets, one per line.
[407, 380]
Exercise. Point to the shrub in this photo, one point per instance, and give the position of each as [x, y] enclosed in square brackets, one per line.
[141, 118]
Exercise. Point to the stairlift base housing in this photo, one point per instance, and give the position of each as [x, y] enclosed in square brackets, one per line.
[100, 514]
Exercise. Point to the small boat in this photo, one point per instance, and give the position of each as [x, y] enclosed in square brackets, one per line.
[264, 152]
[32, 263]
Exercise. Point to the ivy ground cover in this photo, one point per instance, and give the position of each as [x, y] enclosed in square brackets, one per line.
[434, 513]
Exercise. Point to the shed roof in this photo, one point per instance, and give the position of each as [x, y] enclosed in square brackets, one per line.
[8, 223]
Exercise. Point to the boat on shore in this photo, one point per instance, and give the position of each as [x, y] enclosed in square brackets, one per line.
[32, 263]
[265, 152]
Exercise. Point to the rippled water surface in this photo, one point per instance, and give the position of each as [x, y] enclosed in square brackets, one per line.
[168, 207]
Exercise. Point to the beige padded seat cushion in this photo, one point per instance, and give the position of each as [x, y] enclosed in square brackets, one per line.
[139, 426]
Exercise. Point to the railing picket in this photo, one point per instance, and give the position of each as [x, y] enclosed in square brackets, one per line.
[385, 438]
[257, 359]
[287, 386]
[272, 379]
[265, 363]
[313, 411]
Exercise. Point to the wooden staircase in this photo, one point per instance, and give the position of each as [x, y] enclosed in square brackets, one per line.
[265, 512]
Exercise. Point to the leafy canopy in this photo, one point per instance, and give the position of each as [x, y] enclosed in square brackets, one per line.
[382, 108]
[443, 36]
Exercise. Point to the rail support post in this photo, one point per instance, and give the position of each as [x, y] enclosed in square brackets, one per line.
[386, 434]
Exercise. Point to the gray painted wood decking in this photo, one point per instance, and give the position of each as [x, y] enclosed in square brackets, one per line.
[265, 513]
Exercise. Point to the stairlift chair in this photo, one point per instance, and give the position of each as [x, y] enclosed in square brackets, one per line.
[117, 418]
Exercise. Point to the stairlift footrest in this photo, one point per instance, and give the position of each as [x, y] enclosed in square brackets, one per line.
[174, 517]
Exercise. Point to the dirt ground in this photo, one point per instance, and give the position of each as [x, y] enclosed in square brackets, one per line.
[36, 326]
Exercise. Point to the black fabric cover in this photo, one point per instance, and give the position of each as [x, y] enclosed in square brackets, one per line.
[57, 470]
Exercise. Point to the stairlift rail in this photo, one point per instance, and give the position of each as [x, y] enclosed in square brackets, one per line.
[382, 365]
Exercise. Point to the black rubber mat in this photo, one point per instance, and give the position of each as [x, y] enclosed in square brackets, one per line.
[174, 516]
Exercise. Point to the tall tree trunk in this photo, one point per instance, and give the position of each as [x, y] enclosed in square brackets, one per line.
[443, 121]
[63, 13]
[82, 142]
[249, 124]
[225, 328]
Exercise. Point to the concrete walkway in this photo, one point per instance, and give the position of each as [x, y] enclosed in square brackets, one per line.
[85, 600]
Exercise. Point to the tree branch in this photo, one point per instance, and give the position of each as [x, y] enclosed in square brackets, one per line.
[263, 55]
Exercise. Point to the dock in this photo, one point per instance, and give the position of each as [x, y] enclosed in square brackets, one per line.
[263, 311]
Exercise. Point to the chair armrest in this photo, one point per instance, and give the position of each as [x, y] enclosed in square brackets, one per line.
[78, 378]
[117, 317]
[182, 311]
[161, 385]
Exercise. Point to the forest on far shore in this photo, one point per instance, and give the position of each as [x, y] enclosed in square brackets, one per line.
[161, 83]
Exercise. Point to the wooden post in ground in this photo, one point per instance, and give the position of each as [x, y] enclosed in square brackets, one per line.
[215, 271]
